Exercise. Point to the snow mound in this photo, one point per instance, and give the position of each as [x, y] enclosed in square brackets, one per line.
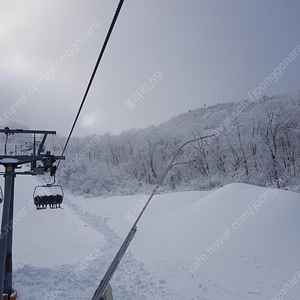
[239, 242]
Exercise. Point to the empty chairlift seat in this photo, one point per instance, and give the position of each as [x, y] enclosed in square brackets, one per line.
[45, 195]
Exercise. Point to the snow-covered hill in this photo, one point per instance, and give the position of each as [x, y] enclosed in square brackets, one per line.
[253, 142]
[238, 242]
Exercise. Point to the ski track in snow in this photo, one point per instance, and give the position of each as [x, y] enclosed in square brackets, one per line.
[130, 281]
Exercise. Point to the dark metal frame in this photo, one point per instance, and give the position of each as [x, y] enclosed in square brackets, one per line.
[11, 162]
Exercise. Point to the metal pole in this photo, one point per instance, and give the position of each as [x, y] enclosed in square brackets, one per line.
[112, 268]
[8, 265]
[6, 233]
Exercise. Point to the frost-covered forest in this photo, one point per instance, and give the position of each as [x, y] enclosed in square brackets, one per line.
[254, 142]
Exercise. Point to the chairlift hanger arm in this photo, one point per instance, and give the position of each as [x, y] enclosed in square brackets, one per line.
[41, 146]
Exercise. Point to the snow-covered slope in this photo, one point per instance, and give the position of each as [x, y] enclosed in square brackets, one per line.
[238, 242]
[253, 142]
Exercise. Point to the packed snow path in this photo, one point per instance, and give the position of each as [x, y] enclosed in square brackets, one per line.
[131, 280]
[64, 253]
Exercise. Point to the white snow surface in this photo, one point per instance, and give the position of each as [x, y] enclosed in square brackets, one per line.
[238, 242]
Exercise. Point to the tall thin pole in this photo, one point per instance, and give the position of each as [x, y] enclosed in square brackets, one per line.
[6, 233]
[8, 263]
[114, 265]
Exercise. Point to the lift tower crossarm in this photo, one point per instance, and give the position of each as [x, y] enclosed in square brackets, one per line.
[28, 131]
[13, 131]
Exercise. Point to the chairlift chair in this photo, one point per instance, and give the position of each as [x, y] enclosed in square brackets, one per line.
[45, 195]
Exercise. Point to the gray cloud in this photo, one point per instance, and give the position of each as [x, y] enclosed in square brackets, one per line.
[207, 51]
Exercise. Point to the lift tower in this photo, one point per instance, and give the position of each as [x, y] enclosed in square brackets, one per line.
[11, 163]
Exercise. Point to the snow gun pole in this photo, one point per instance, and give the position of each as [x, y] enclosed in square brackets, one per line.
[112, 268]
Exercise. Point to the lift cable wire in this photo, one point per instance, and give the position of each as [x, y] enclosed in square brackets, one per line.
[94, 72]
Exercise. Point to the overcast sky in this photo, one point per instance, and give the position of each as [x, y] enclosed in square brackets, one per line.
[200, 52]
